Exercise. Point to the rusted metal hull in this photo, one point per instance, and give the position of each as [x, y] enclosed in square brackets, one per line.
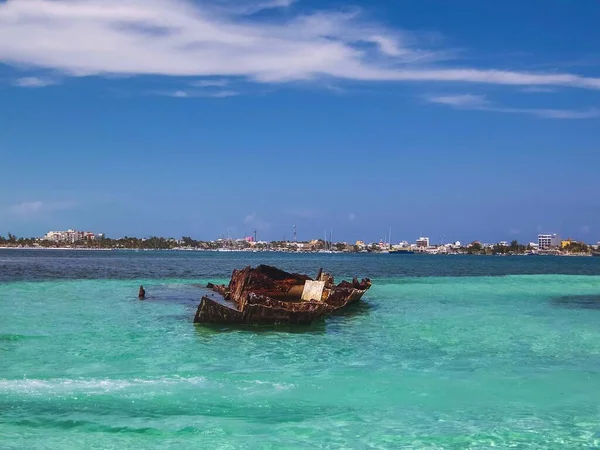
[267, 295]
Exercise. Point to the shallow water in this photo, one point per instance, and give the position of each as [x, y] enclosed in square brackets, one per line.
[444, 352]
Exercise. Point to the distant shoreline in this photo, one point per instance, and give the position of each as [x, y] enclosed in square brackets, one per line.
[59, 248]
[86, 249]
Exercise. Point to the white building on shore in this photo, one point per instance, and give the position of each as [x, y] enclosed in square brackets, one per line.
[546, 241]
[423, 242]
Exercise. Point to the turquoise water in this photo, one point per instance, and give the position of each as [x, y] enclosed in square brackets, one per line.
[425, 362]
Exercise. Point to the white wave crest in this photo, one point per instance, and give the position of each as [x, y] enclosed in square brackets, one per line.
[93, 385]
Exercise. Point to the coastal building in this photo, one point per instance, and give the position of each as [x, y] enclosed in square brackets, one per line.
[423, 242]
[546, 241]
[71, 236]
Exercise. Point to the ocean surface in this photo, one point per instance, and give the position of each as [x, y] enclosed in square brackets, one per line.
[444, 352]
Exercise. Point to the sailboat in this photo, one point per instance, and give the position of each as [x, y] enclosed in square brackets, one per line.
[328, 245]
[387, 245]
[227, 244]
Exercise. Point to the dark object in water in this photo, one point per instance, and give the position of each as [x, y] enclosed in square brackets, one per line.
[267, 295]
[577, 301]
[142, 293]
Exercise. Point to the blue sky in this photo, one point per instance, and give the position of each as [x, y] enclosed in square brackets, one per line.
[455, 120]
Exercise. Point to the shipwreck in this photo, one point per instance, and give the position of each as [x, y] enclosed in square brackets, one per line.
[267, 295]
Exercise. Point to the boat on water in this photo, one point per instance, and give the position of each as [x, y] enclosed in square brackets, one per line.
[402, 251]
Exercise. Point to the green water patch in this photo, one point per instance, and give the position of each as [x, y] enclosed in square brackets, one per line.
[591, 301]
[10, 337]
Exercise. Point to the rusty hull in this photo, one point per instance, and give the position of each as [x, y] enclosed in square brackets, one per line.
[267, 295]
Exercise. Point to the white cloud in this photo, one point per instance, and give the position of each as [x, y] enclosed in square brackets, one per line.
[33, 82]
[33, 208]
[480, 103]
[256, 222]
[226, 39]
[351, 217]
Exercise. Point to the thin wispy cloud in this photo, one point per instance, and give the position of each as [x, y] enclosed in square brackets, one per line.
[26, 208]
[196, 94]
[335, 89]
[179, 94]
[34, 208]
[249, 7]
[538, 90]
[221, 82]
[223, 94]
[467, 101]
[556, 113]
[480, 103]
[34, 82]
[228, 39]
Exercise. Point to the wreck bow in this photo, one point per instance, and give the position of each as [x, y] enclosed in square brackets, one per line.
[268, 295]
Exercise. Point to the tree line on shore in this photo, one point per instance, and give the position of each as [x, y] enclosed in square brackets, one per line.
[515, 248]
[152, 243]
